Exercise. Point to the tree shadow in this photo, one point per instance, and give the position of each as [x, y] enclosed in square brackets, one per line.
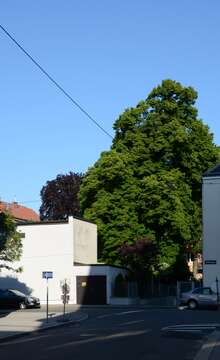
[8, 326]
[8, 282]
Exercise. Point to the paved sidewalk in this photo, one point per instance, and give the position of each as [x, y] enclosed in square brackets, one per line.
[215, 353]
[18, 323]
[210, 350]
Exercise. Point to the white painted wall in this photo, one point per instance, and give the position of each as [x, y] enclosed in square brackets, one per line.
[211, 230]
[46, 247]
[85, 242]
[109, 271]
[54, 247]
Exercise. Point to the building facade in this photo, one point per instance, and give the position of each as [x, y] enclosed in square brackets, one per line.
[211, 227]
[68, 251]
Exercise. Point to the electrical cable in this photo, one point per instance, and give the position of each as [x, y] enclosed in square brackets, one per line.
[55, 82]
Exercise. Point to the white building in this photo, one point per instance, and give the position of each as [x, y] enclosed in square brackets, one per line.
[68, 249]
[211, 226]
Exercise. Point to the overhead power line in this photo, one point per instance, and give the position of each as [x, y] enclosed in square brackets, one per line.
[55, 82]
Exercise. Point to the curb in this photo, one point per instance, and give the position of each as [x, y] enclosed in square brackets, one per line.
[40, 330]
[207, 348]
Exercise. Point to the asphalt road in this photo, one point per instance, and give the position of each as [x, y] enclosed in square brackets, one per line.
[113, 334]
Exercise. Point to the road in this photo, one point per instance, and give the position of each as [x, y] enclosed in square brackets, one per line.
[113, 334]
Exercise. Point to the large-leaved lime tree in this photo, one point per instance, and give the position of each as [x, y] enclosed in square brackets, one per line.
[149, 183]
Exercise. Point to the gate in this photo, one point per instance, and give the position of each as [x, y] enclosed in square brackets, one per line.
[91, 290]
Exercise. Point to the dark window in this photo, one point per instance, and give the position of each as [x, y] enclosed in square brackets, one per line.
[207, 291]
[197, 291]
[7, 294]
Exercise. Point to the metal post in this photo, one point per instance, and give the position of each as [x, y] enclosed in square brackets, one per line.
[217, 289]
[178, 293]
[64, 299]
[47, 300]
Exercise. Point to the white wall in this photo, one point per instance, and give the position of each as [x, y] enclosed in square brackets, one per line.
[85, 242]
[50, 247]
[109, 271]
[46, 247]
[211, 230]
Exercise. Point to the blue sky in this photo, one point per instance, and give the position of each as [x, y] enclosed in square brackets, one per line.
[108, 55]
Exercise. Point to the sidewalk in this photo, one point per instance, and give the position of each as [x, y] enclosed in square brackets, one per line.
[18, 323]
[210, 350]
[215, 352]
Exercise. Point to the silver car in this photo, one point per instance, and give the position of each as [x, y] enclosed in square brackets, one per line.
[199, 297]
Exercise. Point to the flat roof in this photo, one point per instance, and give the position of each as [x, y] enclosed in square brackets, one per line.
[52, 222]
[49, 222]
[213, 172]
[101, 264]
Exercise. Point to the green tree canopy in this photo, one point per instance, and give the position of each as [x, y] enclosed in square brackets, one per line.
[10, 241]
[149, 183]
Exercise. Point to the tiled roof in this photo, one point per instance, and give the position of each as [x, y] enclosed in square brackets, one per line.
[213, 172]
[19, 212]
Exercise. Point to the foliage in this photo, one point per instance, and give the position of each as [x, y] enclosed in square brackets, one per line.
[120, 286]
[140, 257]
[180, 269]
[60, 197]
[10, 241]
[149, 183]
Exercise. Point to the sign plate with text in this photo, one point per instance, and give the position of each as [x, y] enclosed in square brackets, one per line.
[47, 274]
[210, 262]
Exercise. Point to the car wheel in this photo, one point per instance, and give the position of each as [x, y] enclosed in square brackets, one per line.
[22, 306]
[192, 304]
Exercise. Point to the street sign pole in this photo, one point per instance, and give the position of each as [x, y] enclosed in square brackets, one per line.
[217, 289]
[64, 302]
[47, 275]
[47, 300]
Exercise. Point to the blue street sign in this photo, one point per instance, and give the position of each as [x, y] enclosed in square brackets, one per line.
[47, 274]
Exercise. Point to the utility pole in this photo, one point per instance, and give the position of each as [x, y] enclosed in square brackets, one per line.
[217, 289]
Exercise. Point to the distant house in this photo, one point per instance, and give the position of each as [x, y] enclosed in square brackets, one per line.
[20, 213]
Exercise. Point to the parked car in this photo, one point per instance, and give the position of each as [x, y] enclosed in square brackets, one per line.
[199, 297]
[10, 298]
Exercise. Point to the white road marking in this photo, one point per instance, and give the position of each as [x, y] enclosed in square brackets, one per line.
[206, 350]
[100, 338]
[187, 330]
[190, 327]
[131, 322]
[183, 307]
[20, 341]
[104, 316]
[129, 312]
[119, 314]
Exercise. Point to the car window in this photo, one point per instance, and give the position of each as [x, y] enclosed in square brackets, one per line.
[17, 292]
[1, 293]
[197, 291]
[7, 293]
[206, 291]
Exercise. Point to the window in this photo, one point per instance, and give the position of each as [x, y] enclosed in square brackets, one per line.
[7, 294]
[207, 291]
[203, 291]
[197, 291]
